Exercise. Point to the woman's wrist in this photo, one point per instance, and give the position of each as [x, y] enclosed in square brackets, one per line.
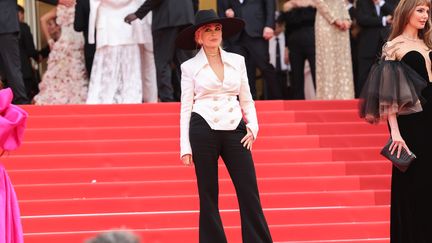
[51, 41]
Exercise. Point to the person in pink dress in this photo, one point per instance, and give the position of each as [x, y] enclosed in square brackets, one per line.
[12, 125]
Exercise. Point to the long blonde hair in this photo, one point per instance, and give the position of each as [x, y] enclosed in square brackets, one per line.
[402, 14]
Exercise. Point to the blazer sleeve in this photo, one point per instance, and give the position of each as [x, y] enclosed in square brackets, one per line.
[247, 104]
[324, 10]
[387, 9]
[195, 5]
[81, 17]
[187, 99]
[222, 6]
[365, 16]
[270, 13]
[146, 7]
[28, 43]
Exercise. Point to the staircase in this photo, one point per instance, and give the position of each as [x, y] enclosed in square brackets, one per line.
[88, 169]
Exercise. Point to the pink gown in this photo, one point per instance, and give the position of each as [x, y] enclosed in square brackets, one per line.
[10, 223]
[12, 125]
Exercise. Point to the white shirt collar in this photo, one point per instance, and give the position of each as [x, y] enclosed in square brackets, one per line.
[202, 61]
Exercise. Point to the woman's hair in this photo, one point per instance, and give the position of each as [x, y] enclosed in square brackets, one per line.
[401, 16]
[198, 35]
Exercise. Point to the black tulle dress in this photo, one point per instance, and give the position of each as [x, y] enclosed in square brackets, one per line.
[411, 192]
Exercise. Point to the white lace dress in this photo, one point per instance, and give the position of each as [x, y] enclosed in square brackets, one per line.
[65, 81]
[118, 73]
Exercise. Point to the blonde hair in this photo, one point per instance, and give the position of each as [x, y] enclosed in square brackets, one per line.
[402, 14]
[198, 35]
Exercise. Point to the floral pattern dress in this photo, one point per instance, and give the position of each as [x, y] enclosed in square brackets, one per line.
[65, 81]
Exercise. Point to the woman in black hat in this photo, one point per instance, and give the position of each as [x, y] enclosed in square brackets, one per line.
[215, 94]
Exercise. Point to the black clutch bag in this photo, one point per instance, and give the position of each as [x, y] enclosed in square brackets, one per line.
[403, 162]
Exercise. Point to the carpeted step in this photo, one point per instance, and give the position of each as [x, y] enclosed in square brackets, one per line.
[190, 202]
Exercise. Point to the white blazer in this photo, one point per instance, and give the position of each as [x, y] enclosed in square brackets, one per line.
[215, 100]
[107, 21]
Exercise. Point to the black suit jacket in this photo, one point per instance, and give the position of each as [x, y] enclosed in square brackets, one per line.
[373, 34]
[169, 13]
[82, 13]
[81, 24]
[27, 51]
[257, 14]
[8, 17]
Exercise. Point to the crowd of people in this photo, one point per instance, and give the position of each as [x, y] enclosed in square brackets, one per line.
[110, 52]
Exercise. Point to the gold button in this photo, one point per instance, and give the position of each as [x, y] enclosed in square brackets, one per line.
[231, 109]
[215, 108]
[216, 120]
[232, 121]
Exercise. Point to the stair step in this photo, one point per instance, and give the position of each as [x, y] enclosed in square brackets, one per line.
[180, 172]
[173, 107]
[297, 232]
[173, 158]
[173, 131]
[188, 187]
[188, 219]
[190, 202]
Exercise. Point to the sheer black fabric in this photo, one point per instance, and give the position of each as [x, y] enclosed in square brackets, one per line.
[392, 87]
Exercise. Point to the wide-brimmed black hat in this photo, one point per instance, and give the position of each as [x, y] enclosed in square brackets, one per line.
[230, 27]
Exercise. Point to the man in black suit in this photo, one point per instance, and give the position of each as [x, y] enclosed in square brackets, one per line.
[300, 41]
[27, 51]
[252, 43]
[9, 50]
[374, 17]
[81, 22]
[169, 18]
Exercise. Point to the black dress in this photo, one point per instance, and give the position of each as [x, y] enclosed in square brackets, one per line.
[401, 87]
[411, 201]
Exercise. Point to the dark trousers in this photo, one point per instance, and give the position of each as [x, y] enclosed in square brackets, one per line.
[207, 145]
[11, 62]
[167, 55]
[301, 46]
[283, 80]
[364, 66]
[255, 52]
[89, 52]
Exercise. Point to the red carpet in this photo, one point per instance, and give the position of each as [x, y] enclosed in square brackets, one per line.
[87, 169]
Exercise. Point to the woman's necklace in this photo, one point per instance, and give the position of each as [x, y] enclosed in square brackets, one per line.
[212, 54]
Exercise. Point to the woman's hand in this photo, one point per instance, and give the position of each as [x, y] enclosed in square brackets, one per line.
[187, 159]
[248, 139]
[51, 44]
[229, 13]
[347, 24]
[397, 144]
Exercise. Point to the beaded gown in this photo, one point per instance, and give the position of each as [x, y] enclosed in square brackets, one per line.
[334, 75]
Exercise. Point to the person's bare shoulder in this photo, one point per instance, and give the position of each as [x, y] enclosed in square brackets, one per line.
[392, 49]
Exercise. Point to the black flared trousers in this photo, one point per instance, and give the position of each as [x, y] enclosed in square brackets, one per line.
[207, 145]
